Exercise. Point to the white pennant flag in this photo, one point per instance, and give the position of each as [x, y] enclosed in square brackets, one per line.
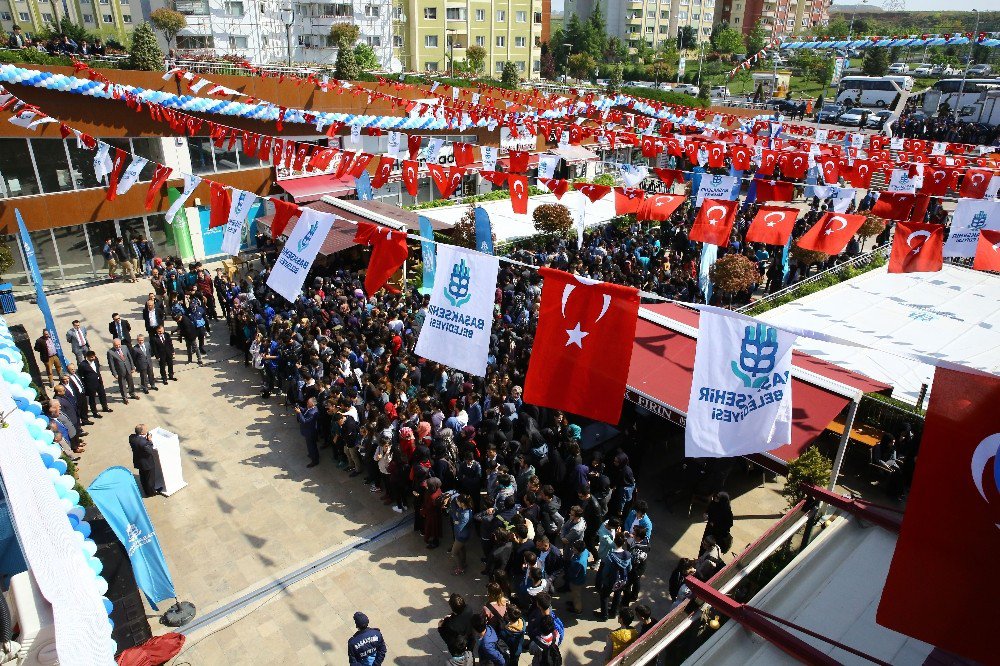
[577, 202]
[131, 174]
[475, 99]
[434, 148]
[971, 216]
[393, 144]
[199, 84]
[299, 252]
[902, 182]
[239, 209]
[456, 331]
[190, 183]
[547, 166]
[633, 174]
[102, 162]
[741, 391]
[490, 158]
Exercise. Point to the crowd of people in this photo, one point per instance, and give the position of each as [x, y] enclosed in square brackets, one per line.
[913, 124]
[56, 45]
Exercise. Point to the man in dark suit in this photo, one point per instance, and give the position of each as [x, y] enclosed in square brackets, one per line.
[144, 459]
[142, 358]
[93, 382]
[189, 333]
[308, 427]
[152, 316]
[121, 366]
[67, 406]
[163, 350]
[121, 329]
[74, 386]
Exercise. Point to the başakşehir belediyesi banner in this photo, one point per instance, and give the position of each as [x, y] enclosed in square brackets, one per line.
[741, 396]
[299, 252]
[456, 331]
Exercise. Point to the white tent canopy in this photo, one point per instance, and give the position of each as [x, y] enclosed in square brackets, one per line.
[952, 315]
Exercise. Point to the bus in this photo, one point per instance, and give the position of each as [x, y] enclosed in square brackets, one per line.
[881, 92]
[945, 91]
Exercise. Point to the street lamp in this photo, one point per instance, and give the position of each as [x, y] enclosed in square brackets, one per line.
[569, 50]
[701, 59]
[451, 51]
[968, 63]
[850, 30]
[288, 17]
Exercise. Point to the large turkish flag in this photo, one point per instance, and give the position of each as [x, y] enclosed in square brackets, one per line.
[659, 207]
[583, 346]
[772, 225]
[894, 205]
[714, 222]
[832, 233]
[987, 251]
[917, 248]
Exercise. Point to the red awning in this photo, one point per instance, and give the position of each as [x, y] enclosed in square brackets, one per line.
[313, 188]
[663, 362]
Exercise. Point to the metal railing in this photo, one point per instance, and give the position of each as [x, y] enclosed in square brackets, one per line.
[864, 259]
[683, 617]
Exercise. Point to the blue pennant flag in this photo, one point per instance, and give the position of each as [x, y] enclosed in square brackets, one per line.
[484, 231]
[36, 277]
[363, 186]
[428, 251]
[709, 253]
[116, 494]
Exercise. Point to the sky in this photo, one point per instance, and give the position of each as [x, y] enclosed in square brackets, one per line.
[929, 5]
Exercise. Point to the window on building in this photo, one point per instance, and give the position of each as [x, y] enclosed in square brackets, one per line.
[239, 42]
[521, 17]
[480, 14]
[53, 167]
[6, 16]
[195, 42]
[521, 66]
[234, 8]
[431, 66]
[499, 66]
[651, 14]
[501, 41]
[372, 11]
[397, 41]
[501, 16]
[536, 66]
[736, 20]
[790, 23]
[520, 42]
[126, 18]
[695, 17]
[805, 23]
[123, 3]
[23, 16]
[108, 18]
[633, 29]
[649, 29]
[88, 18]
[664, 14]
[538, 40]
[480, 40]
[682, 16]
[664, 29]
[431, 41]
[105, 2]
[373, 40]
[430, 13]
[397, 13]
[706, 31]
[538, 18]
[47, 17]
[340, 10]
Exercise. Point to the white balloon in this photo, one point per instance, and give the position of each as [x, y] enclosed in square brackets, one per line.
[89, 547]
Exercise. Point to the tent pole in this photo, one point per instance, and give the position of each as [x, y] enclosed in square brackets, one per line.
[842, 448]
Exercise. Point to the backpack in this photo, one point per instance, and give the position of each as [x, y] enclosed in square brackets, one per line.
[549, 656]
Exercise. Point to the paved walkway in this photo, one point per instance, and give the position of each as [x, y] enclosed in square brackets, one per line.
[253, 513]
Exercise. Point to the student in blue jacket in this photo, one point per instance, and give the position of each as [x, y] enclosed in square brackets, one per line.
[366, 647]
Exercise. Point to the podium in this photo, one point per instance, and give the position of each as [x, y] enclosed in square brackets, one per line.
[169, 476]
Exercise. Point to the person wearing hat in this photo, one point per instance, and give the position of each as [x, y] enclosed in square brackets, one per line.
[366, 647]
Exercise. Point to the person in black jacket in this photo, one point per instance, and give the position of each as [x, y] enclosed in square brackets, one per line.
[719, 521]
[189, 332]
[456, 628]
[153, 315]
[366, 647]
[144, 459]
[163, 351]
[121, 329]
[93, 383]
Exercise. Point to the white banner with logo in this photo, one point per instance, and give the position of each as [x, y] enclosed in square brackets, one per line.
[190, 183]
[300, 251]
[716, 187]
[131, 175]
[901, 181]
[741, 392]
[971, 216]
[459, 319]
[547, 166]
[239, 209]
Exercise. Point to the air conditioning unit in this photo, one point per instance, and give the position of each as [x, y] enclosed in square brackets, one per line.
[31, 616]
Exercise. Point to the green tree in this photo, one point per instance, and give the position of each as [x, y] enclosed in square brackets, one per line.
[347, 65]
[644, 53]
[727, 40]
[75, 32]
[617, 51]
[756, 40]
[581, 65]
[548, 64]
[145, 54]
[365, 56]
[509, 77]
[875, 62]
[616, 79]
[839, 27]
[811, 467]
[344, 32]
[687, 37]
[595, 34]
[476, 56]
[168, 22]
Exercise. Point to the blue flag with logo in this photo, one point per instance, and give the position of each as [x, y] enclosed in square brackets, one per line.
[36, 277]
[427, 250]
[363, 186]
[484, 231]
[116, 494]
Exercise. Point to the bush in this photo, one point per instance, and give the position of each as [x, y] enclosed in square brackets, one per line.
[365, 56]
[872, 226]
[665, 96]
[509, 78]
[145, 54]
[6, 259]
[463, 234]
[553, 219]
[347, 65]
[808, 257]
[85, 500]
[812, 467]
[734, 274]
[168, 22]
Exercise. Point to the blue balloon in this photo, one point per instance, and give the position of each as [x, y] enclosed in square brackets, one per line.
[108, 606]
[59, 465]
[48, 460]
[83, 527]
[73, 520]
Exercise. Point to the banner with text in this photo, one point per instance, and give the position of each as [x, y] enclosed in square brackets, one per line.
[300, 251]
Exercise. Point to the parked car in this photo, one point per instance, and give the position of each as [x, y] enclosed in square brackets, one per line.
[852, 117]
[878, 119]
[719, 92]
[925, 69]
[943, 70]
[899, 68]
[687, 89]
[980, 70]
[829, 113]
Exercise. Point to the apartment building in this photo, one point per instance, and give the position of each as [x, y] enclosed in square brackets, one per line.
[111, 19]
[652, 21]
[779, 17]
[255, 29]
[428, 34]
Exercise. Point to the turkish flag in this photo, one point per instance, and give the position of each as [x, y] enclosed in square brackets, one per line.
[917, 248]
[359, 164]
[518, 193]
[714, 222]
[388, 253]
[446, 181]
[518, 161]
[346, 158]
[160, 176]
[410, 168]
[937, 181]
[413, 145]
[628, 200]
[772, 225]
[592, 191]
[284, 211]
[716, 155]
[557, 186]
[894, 205]
[987, 251]
[860, 175]
[650, 147]
[463, 153]
[953, 507]
[830, 168]
[768, 160]
[220, 203]
[583, 346]
[496, 177]
[669, 176]
[740, 156]
[794, 165]
[974, 183]
[659, 207]
[831, 233]
[382, 171]
[919, 211]
[774, 190]
[117, 165]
